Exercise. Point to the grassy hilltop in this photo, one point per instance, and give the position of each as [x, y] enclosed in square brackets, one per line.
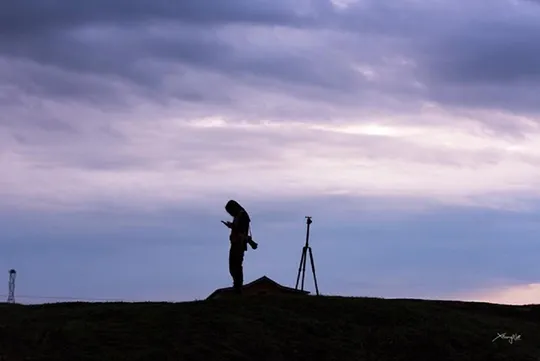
[270, 328]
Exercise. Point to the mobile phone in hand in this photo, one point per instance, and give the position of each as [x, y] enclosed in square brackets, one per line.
[228, 224]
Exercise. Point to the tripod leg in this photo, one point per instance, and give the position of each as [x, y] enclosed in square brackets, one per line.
[302, 263]
[304, 267]
[313, 269]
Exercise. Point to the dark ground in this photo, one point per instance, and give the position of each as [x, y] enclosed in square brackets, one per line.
[269, 328]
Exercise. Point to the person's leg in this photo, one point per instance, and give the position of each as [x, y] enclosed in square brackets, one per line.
[232, 262]
[236, 258]
[240, 270]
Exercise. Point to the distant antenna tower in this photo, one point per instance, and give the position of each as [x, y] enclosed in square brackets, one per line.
[303, 259]
[11, 294]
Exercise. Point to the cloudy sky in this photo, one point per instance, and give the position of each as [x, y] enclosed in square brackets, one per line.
[408, 129]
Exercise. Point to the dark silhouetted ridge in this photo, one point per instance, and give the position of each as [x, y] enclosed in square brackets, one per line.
[272, 328]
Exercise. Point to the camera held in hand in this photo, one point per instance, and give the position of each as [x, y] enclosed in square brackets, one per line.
[251, 242]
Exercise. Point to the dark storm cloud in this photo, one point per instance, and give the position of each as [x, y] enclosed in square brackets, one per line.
[492, 55]
[111, 52]
[35, 16]
[190, 41]
[28, 78]
[146, 60]
[86, 39]
[491, 63]
[481, 54]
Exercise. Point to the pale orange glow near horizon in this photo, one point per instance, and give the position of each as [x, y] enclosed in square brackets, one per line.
[525, 294]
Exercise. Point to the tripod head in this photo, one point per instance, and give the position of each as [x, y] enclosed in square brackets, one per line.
[308, 223]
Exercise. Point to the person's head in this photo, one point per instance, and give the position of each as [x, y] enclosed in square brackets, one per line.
[233, 208]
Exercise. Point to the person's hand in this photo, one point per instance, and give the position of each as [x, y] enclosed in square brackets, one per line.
[228, 224]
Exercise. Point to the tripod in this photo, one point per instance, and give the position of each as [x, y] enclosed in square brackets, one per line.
[303, 259]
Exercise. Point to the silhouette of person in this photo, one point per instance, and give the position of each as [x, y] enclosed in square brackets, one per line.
[240, 237]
